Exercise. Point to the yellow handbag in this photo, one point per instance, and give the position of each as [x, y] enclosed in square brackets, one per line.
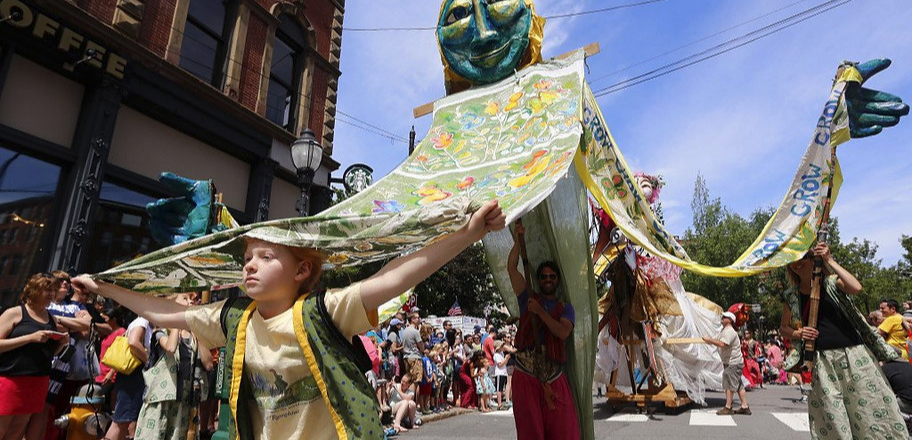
[119, 357]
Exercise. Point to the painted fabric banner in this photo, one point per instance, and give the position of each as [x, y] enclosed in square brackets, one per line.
[511, 141]
[786, 237]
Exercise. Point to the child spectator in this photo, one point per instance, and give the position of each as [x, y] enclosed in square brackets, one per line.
[444, 375]
[284, 368]
[484, 386]
[500, 373]
[426, 385]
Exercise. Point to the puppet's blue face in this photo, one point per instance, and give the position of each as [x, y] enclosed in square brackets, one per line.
[484, 40]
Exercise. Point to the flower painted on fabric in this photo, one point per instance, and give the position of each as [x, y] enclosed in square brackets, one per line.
[492, 108]
[557, 165]
[423, 158]
[513, 102]
[470, 121]
[337, 259]
[535, 157]
[363, 246]
[467, 182]
[430, 194]
[543, 84]
[387, 206]
[539, 162]
[614, 187]
[549, 96]
[489, 180]
[443, 141]
[536, 105]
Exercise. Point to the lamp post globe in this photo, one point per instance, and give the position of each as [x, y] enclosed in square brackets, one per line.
[306, 155]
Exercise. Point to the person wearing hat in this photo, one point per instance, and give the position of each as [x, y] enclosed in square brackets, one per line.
[395, 347]
[730, 348]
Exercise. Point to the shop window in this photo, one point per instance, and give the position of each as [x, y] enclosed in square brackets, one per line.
[121, 227]
[27, 200]
[207, 35]
[283, 98]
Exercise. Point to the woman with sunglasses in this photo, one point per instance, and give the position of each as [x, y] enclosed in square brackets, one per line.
[850, 397]
[28, 340]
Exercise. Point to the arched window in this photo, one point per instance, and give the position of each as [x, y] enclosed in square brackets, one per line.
[207, 35]
[283, 97]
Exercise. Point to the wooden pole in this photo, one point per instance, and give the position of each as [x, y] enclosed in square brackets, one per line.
[817, 279]
[525, 257]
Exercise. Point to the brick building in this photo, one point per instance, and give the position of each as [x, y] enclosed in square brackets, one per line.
[97, 97]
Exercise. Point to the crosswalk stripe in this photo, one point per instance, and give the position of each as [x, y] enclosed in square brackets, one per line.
[796, 421]
[709, 418]
[628, 418]
[507, 413]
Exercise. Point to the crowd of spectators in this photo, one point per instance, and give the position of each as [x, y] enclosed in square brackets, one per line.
[51, 346]
[420, 370]
[54, 342]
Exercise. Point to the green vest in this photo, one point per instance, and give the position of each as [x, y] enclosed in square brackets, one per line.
[337, 365]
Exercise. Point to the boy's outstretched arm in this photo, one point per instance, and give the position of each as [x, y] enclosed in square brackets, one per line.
[159, 311]
[407, 271]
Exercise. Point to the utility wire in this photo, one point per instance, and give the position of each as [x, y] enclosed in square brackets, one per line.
[670, 51]
[725, 47]
[549, 17]
[341, 113]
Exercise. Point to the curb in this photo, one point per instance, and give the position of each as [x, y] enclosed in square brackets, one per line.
[445, 415]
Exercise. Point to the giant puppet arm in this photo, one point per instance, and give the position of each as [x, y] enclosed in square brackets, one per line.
[193, 212]
[872, 110]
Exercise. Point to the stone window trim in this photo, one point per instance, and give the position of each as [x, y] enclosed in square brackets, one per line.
[302, 110]
[235, 35]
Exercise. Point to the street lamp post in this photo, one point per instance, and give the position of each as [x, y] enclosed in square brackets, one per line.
[306, 154]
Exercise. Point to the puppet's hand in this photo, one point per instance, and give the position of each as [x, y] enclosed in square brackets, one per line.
[872, 110]
[185, 217]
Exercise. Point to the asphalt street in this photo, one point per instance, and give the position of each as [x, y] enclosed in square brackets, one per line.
[776, 415]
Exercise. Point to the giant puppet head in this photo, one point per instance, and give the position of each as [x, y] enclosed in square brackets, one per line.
[484, 41]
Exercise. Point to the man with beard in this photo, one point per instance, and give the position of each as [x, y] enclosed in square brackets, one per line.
[543, 404]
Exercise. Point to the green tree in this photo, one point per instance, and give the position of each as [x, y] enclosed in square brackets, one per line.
[717, 238]
[467, 279]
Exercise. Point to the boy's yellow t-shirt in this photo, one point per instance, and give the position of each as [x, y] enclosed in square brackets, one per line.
[896, 335]
[287, 401]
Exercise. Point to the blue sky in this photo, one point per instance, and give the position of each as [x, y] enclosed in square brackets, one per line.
[742, 119]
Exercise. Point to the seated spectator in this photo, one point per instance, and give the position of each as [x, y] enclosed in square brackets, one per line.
[405, 409]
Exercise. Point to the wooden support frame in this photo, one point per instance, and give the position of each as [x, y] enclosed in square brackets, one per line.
[589, 49]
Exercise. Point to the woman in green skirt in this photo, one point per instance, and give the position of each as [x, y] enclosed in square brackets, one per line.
[850, 397]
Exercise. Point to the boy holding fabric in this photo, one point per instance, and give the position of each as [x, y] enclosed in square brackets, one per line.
[285, 328]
